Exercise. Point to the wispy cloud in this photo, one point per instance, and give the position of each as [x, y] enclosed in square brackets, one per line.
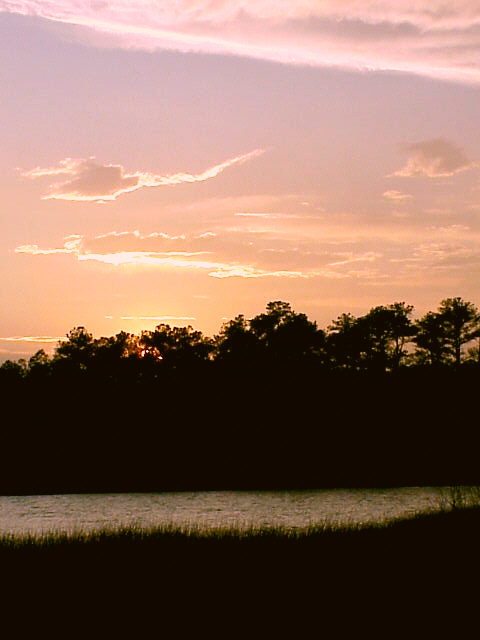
[427, 36]
[229, 271]
[434, 158]
[39, 339]
[272, 257]
[439, 252]
[366, 254]
[71, 244]
[347, 258]
[162, 259]
[451, 229]
[136, 234]
[86, 180]
[271, 216]
[159, 318]
[397, 196]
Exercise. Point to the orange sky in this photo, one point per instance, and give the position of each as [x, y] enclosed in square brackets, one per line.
[184, 162]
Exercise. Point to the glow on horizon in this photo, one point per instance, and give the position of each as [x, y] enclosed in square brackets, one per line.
[311, 152]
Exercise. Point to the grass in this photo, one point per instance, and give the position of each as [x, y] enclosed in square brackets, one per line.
[190, 533]
[316, 574]
[455, 504]
[448, 530]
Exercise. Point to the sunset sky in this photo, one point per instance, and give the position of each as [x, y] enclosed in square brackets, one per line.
[184, 161]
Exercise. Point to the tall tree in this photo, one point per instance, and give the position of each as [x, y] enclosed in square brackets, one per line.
[115, 356]
[12, 371]
[235, 343]
[284, 335]
[441, 335]
[342, 342]
[176, 346]
[430, 339]
[39, 365]
[77, 349]
[39, 359]
[380, 336]
[461, 322]
[401, 330]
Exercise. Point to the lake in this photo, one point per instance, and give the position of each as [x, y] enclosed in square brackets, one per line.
[40, 514]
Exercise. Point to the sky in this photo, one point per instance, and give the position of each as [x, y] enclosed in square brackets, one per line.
[186, 161]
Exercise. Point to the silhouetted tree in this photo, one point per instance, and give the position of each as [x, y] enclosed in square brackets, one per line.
[285, 335]
[235, 344]
[298, 339]
[39, 366]
[39, 359]
[77, 349]
[431, 340]
[460, 322]
[343, 342]
[122, 345]
[384, 331]
[402, 331]
[375, 341]
[279, 339]
[13, 371]
[176, 347]
[474, 352]
[265, 324]
[441, 335]
[113, 357]
[113, 410]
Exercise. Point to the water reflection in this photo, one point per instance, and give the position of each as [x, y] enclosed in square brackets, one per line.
[42, 514]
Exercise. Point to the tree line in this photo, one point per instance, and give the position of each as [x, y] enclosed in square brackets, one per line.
[386, 339]
[269, 402]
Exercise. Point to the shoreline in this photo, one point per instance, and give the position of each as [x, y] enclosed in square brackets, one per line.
[452, 523]
[390, 569]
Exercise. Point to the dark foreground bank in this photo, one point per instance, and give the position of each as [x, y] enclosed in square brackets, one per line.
[426, 545]
[415, 576]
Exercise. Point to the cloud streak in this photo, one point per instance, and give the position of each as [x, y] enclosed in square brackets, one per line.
[267, 259]
[397, 196]
[86, 180]
[77, 246]
[427, 37]
[160, 318]
[367, 255]
[39, 339]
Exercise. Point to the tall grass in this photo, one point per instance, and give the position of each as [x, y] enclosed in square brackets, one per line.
[313, 570]
[454, 499]
[134, 534]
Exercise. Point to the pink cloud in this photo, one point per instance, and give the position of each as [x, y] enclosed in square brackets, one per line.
[434, 158]
[432, 38]
[86, 180]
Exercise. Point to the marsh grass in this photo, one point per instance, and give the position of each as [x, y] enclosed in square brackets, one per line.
[456, 515]
[135, 534]
[448, 519]
[320, 571]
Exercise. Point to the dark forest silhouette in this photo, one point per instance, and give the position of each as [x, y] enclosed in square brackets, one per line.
[270, 402]
[385, 339]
